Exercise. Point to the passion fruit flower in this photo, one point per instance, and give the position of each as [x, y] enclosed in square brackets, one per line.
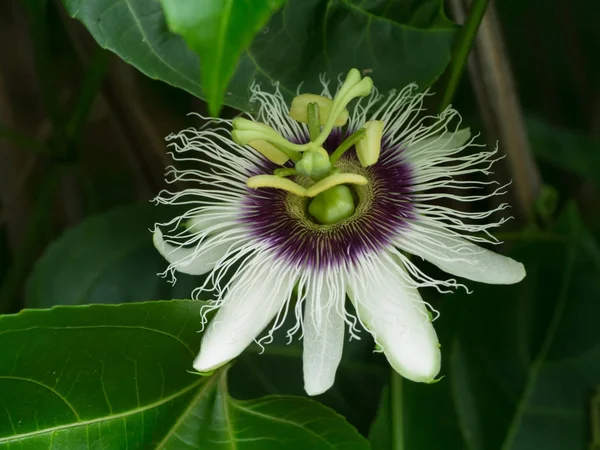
[308, 204]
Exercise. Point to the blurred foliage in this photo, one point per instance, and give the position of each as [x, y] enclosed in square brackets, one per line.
[525, 360]
[105, 259]
[520, 362]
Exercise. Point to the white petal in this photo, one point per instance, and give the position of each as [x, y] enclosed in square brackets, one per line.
[252, 301]
[196, 260]
[460, 257]
[207, 220]
[396, 316]
[443, 142]
[323, 334]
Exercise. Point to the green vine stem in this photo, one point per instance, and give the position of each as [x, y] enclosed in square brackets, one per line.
[396, 411]
[462, 47]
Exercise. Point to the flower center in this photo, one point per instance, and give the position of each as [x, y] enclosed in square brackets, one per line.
[327, 185]
[281, 221]
[334, 204]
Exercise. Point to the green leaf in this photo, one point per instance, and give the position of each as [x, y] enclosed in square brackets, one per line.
[218, 31]
[106, 258]
[278, 370]
[113, 377]
[416, 13]
[304, 39]
[527, 360]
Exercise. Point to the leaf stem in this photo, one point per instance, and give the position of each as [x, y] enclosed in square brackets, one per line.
[396, 411]
[462, 47]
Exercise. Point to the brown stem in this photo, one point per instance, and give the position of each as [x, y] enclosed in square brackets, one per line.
[491, 76]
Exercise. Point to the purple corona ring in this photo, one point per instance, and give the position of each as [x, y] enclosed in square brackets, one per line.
[328, 196]
[384, 208]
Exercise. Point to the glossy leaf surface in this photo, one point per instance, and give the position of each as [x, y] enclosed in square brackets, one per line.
[113, 377]
[302, 40]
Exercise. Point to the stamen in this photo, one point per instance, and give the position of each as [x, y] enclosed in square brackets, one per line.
[285, 172]
[368, 149]
[334, 180]
[273, 181]
[246, 131]
[269, 151]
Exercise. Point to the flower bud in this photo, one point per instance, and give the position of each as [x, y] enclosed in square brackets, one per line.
[368, 148]
[299, 109]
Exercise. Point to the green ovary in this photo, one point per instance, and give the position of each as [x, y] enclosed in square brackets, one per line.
[332, 205]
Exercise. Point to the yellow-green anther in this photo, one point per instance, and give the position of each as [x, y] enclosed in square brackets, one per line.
[368, 148]
[332, 205]
[285, 172]
[334, 180]
[348, 142]
[241, 137]
[314, 164]
[298, 110]
[269, 151]
[245, 131]
[241, 123]
[273, 181]
[314, 128]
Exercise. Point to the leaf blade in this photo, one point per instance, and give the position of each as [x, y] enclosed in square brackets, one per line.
[218, 32]
[109, 376]
[107, 257]
[304, 39]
